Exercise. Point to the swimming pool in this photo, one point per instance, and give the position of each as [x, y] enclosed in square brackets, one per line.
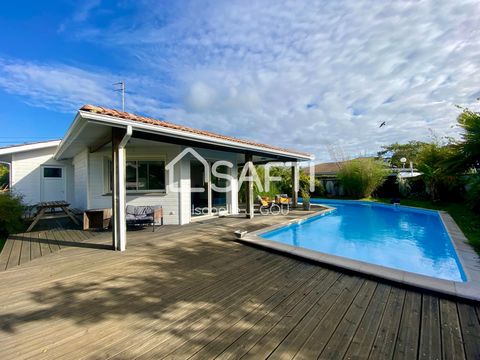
[403, 238]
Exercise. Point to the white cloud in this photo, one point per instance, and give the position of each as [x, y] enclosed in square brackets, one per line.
[53, 85]
[302, 75]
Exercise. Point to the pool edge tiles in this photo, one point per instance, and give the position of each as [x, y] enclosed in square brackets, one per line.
[396, 237]
[468, 258]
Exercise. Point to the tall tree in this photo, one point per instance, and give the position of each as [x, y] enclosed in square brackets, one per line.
[397, 151]
[467, 154]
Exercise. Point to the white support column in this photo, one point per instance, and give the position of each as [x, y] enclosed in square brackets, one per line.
[232, 195]
[120, 138]
[209, 193]
[295, 178]
[249, 190]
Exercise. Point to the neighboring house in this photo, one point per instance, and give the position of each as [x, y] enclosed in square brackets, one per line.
[79, 168]
[326, 173]
[36, 174]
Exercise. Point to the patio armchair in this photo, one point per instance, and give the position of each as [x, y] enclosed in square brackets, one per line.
[144, 215]
[266, 205]
[283, 200]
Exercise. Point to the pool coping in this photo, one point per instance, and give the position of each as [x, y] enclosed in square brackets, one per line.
[469, 259]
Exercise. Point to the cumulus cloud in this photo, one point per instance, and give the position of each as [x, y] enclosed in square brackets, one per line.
[304, 75]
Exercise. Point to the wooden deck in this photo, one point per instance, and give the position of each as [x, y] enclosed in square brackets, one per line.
[52, 236]
[192, 292]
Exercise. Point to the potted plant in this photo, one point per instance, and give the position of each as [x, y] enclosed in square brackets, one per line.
[305, 199]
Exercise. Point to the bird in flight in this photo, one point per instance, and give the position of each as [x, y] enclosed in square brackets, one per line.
[382, 124]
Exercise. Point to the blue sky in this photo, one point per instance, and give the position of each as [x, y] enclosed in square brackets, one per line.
[318, 76]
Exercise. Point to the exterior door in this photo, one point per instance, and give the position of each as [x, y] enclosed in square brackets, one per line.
[53, 183]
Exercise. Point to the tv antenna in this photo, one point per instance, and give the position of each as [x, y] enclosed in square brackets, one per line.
[122, 89]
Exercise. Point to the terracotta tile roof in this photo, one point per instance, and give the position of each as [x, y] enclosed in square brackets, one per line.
[327, 168]
[146, 120]
[331, 168]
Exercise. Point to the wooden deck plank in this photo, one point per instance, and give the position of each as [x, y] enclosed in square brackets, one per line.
[174, 291]
[364, 337]
[328, 324]
[310, 329]
[190, 325]
[430, 346]
[406, 346]
[213, 339]
[60, 336]
[340, 340]
[186, 294]
[384, 344]
[263, 319]
[44, 245]
[52, 238]
[14, 258]
[192, 292]
[5, 254]
[25, 252]
[262, 334]
[34, 247]
[470, 330]
[298, 320]
[452, 342]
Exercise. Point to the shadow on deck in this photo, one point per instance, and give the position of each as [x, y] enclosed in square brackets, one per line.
[192, 292]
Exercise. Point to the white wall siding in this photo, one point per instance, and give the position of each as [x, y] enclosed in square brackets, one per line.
[86, 178]
[100, 196]
[27, 176]
[80, 183]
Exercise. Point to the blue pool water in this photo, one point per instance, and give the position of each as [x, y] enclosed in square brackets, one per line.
[413, 240]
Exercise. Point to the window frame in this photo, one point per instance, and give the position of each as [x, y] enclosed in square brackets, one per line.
[108, 181]
[45, 167]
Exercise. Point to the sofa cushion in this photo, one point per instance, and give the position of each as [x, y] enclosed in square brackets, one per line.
[143, 210]
[130, 217]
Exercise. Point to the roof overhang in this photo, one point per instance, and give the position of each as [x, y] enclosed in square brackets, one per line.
[89, 128]
[28, 147]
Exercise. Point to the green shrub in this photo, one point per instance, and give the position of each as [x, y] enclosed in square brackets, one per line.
[360, 177]
[11, 211]
[4, 175]
[473, 192]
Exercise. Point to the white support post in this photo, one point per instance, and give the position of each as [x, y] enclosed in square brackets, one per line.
[249, 190]
[295, 178]
[120, 138]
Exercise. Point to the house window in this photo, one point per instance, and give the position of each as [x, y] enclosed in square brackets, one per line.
[52, 172]
[142, 175]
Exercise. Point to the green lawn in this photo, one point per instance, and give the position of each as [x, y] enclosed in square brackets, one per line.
[468, 221]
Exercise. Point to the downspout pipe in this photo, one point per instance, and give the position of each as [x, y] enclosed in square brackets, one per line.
[126, 137]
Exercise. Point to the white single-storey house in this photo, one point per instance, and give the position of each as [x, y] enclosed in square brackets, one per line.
[110, 159]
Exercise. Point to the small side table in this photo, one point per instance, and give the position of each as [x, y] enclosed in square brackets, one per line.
[97, 219]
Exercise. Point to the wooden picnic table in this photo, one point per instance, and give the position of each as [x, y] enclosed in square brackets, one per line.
[42, 208]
